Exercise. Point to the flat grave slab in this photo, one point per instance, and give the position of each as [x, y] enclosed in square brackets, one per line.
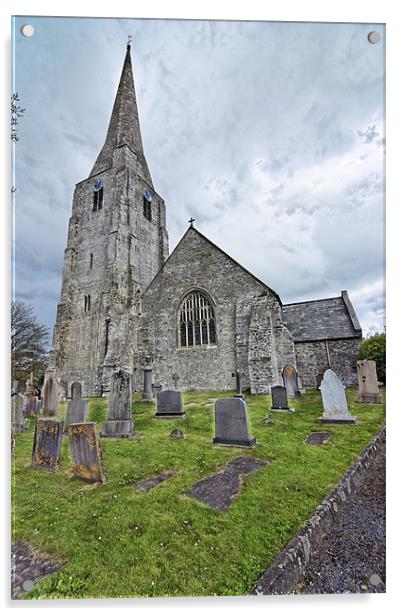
[145, 485]
[318, 438]
[218, 491]
[28, 567]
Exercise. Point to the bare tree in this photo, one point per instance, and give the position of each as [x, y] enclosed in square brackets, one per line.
[28, 340]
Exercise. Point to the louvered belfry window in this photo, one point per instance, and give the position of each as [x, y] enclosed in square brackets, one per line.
[196, 321]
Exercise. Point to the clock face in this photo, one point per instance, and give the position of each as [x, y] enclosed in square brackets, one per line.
[147, 195]
[98, 184]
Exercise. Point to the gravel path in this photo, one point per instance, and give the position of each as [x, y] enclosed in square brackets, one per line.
[351, 557]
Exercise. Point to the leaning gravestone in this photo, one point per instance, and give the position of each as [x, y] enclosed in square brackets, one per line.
[334, 400]
[76, 412]
[76, 391]
[231, 423]
[280, 400]
[86, 452]
[368, 384]
[47, 444]
[169, 405]
[17, 416]
[290, 380]
[50, 398]
[119, 422]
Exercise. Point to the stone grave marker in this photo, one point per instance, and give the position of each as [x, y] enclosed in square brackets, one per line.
[280, 400]
[169, 405]
[147, 395]
[86, 453]
[290, 380]
[318, 438]
[156, 387]
[319, 378]
[76, 391]
[32, 406]
[18, 423]
[176, 433]
[145, 485]
[231, 423]
[47, 444]
[368, 391]
[76, 412]
[50, 398]
[334, 400]
[119, 422]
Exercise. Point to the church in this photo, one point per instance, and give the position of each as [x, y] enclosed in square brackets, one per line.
[196, 313]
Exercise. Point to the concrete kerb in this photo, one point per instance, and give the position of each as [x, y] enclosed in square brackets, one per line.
[290, 565]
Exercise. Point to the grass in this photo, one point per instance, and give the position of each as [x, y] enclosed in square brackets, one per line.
[120, 542]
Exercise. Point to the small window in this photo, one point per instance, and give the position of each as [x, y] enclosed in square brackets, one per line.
[147, 203]
[87, 303]
[97, 199]
[91, 260]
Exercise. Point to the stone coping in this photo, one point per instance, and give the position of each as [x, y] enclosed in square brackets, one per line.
[290, 565]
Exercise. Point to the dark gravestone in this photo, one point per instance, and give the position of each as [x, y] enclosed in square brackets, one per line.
[76, 391]
[50, 398]
[280, 399]
[32, 407]
[169, 405]
[147, 391]
[86, 452]
[231, 425]
[218, 490]
[147, 484]
[290, 380]
[318, 438]
[76, 412]
[119, 422]
[47, 444]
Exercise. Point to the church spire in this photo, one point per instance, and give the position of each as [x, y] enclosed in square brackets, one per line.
[124, 125]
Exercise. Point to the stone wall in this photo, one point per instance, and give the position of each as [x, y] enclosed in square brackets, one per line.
[314, 357]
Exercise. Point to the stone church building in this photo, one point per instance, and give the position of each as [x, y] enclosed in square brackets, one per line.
[196, 312]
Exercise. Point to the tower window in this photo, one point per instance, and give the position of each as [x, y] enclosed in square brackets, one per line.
[91, 260]
[147, 202]
[97, 200]
[87, 303]
[196, 321]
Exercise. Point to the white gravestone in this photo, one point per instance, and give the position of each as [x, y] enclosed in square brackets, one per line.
[334, 400]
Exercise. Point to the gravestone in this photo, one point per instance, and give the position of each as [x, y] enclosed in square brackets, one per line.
[280, 400]
[176, 433]
[334, 400]
[169, 405]
[175, 379]
[76, 391]
[238, 393]
[119, 422]
[318, 438]
[47, 444]
[76, 412]
[156, 387]
[319, 378]
[290, 380]
[50, 398]
[231, 423]
[147, 391]
[18, 423]
[86, 453]
[32, 406]
[30, 386]
[368, 391]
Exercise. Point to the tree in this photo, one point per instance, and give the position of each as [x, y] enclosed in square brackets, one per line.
[374, 348]
[28, 341]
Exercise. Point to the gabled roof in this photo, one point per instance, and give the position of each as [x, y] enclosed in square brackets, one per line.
[124, 125]
[192, 229]
[322, 319]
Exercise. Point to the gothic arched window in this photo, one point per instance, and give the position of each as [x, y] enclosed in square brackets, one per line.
[196, 320]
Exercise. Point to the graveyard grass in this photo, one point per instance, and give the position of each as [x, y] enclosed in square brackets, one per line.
[120, 542]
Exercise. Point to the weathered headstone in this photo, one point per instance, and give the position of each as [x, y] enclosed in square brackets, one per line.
[318, 438]
[30, 386]
[18, 423]
[334, 400]
[156, 387]
[47, 444]
[32, 406]
[76, 391]
[319, 378]
[290, 380]
[119, 422]
[50, 398]
[147, 392]
[86, 453]
[231, 423]
[176, 433]
[76, 412]
[280, 400]
[368, 391]
[175, 379]
[238, 393]
[169, 405]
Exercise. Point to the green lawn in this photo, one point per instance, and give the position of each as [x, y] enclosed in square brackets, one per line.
[120, 542]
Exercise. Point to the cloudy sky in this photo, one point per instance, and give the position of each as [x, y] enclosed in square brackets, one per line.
[270, 134]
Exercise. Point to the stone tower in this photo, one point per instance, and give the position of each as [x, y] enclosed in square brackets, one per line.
[117, 242]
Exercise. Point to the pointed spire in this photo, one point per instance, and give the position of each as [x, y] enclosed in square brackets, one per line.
[124, 125]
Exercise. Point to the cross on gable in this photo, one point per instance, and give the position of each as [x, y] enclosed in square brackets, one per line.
[191, 221]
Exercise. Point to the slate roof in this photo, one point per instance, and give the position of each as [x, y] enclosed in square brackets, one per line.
[322, 319]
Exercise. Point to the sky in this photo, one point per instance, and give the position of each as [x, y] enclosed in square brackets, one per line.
[270, 134]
